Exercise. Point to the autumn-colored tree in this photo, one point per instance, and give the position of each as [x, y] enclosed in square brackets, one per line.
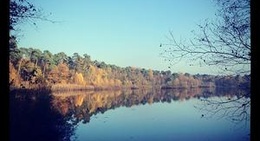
[35, 67]
[14, 78]
[78, 79]
[117, 82]
[53, 76]
[63, 72]
[150, 75]
[176, 82]
[59, 74]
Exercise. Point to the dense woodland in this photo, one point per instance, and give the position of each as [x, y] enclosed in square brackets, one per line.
[33, 68]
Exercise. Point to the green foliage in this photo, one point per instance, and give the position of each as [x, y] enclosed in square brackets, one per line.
[43, 68]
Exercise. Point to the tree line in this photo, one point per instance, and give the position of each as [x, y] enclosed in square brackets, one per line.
[32, 68]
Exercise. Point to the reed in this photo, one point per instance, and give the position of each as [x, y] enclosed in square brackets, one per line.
[71, 87]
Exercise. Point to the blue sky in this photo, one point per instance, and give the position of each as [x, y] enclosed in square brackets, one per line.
[120, 32]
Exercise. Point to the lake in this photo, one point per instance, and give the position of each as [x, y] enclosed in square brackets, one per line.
[131, 115]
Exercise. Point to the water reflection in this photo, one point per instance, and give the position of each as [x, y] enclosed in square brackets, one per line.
[45, 116]
[32, 118]
[233, 106]
[82, 105]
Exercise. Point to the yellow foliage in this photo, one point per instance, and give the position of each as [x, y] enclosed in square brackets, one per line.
[78, 79]
[117, 82]
[63, 70]
[176, 82]
[79, 100]
[150, 74]
[59, 74]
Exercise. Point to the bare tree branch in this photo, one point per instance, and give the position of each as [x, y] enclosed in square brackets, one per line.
[224, 43]
[22, 10]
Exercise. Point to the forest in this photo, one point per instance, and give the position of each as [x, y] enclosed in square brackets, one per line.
[31, 68]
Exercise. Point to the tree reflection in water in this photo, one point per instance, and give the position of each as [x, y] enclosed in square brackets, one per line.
[233, 105]
[33, 119]
[40, 116]
[82, 105]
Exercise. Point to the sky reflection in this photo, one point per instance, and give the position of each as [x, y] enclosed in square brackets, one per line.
[164, 120]
[159, 121]
[129, 115]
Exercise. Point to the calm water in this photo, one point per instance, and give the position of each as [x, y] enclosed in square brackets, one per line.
[131, 115]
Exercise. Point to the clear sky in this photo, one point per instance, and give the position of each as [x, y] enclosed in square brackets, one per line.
[120, 32]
